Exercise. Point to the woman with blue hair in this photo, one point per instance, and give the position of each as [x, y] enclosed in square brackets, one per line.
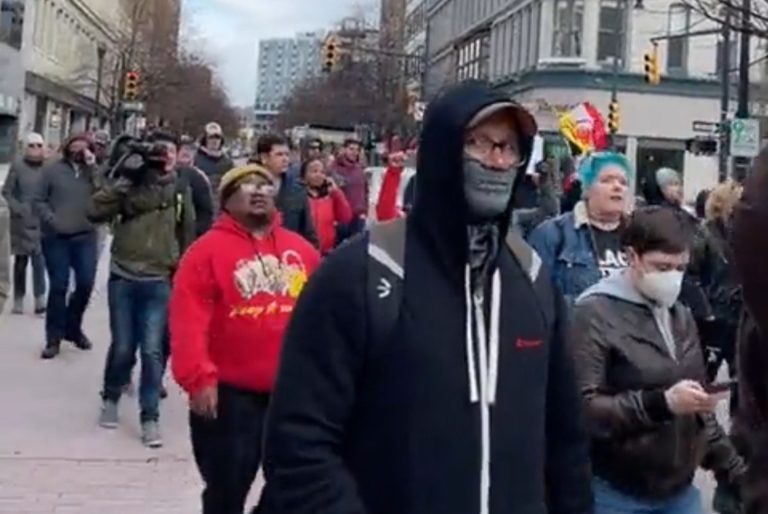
[582, 246]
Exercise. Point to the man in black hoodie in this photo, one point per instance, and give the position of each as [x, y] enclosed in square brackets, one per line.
[211, 157]
[437, 411]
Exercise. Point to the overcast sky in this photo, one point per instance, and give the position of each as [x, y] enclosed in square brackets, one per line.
[231, 30]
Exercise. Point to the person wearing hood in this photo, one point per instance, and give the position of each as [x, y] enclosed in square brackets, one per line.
[581, 246]
[642, 378]
[273, 154]
[210, 155]
[233, 295]
[19, 191]
[69, 242]
[202, 194]
[424, 370]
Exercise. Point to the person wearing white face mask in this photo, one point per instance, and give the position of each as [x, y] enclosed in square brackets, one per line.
[640, 370]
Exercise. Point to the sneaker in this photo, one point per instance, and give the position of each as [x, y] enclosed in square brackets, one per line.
[109, 417]
[81, 342]
[18, 306]
[51, 350]
[150, 434]
[40, 306]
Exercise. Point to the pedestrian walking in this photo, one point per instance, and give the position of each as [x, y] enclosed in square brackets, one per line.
[349, 173]
[211, 157]
[5, 254]
[328, 205]
[202, 194]
[19, 191]
[273, 155]
[153, 222]
[642, 378]
[69, 242]
[583, 245]
[233, 296]
[749, 239]
[424, 370]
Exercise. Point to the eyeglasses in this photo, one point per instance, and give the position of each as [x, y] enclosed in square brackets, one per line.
[484, 147]
[253, 188]
[34, 145]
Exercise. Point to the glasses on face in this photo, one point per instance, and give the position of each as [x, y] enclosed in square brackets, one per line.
[253, 188]
[34, 145]
[484, 147]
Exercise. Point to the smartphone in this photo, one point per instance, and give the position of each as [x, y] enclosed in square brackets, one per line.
[719, 387]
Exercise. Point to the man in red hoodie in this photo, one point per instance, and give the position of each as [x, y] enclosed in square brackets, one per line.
[233, 296]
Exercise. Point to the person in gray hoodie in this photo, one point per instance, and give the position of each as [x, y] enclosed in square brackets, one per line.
[69, 242]
[639, 365]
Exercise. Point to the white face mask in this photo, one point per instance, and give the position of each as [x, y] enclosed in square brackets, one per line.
[662, 287]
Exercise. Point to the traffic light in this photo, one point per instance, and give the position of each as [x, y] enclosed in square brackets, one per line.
[614, 117]
[330, 54]
[132, 86]
[652, 68]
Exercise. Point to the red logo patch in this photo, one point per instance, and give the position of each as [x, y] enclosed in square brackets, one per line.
[525, 344]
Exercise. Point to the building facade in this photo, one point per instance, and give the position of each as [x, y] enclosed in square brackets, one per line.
[64, 41]
[12, 21]
[415, 34]
[283, 64]
[553, 54]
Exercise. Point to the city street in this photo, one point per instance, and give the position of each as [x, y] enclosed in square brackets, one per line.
[53, 456]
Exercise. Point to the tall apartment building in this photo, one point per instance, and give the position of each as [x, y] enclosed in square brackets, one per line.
[11, 74]
[415, 44]
[283, 64]
[553, 54]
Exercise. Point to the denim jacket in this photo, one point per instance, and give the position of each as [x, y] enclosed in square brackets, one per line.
[566, 247]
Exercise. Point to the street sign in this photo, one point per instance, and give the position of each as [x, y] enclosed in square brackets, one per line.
[705, 127]
[745, 137]
[133, 106]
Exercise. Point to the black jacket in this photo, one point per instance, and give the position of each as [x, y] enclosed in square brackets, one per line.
[293, 203]
[214, 166]
[362, 423]
[202, 197]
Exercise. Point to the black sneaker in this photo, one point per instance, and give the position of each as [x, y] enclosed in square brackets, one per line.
[51, 350]
[82, 342]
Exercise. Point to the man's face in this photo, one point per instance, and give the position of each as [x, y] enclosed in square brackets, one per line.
[314, 151]
[170, 156]
[213, 143]
[186, 155]
[255, 198]
[352, 151]
[35, 151]
[494, 142]
[277, 160]
[673, 192]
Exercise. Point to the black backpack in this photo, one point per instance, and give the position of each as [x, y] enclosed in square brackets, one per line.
[386, 272]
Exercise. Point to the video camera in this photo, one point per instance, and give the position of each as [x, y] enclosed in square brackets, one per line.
[134, 158]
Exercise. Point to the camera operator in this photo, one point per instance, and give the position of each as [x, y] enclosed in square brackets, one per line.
[153, 223]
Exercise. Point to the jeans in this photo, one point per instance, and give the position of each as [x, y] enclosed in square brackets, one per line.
[138, 319]
[610, 501]
[227, 449]
[20, 263]
[64, 316]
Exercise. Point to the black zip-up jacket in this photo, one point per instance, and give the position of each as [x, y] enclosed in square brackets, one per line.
[293, 204]
[364, 423]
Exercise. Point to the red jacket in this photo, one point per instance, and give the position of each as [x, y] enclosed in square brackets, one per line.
[232, 298]
[328, 210]
[386, 206]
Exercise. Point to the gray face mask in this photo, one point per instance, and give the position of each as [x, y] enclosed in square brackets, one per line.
[487, 191]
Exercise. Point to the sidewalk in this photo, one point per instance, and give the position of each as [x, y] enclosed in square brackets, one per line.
[53, 456]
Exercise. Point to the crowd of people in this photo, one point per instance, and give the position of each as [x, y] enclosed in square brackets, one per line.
[452, 349]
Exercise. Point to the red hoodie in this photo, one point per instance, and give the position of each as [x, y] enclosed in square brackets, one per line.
[328, 210]
[232, 298]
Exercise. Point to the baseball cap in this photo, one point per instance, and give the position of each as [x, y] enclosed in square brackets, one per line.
[524, 121]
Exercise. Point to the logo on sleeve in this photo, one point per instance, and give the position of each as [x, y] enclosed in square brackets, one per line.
[527, 344]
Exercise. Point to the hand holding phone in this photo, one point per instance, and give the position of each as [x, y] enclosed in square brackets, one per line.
[719, 387]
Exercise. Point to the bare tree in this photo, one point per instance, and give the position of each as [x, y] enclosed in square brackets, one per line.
[732, 11]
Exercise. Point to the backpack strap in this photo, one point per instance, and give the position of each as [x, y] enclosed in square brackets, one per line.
[386, 271]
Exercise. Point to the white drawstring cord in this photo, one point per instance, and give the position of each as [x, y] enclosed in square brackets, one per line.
[493, 372]
[474, 397]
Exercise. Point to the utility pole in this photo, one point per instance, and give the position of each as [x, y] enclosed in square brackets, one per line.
[725, 95]
[741, 164]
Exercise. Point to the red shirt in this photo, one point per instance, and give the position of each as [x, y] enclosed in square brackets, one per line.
[386, 207]
[328, 211]
[232, 299]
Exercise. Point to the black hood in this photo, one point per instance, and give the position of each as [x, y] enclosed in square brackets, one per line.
[440, 214]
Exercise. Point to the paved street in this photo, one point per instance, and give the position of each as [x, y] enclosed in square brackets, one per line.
[53, 456]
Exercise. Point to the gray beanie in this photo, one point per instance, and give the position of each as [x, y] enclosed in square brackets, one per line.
[665, 176]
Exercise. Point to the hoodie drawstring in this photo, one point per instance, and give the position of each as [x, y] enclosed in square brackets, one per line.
[488, 350]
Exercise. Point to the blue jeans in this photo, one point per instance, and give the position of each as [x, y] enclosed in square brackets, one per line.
[20, 263]
[138, 319]
[64, 316]
[610, 501]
